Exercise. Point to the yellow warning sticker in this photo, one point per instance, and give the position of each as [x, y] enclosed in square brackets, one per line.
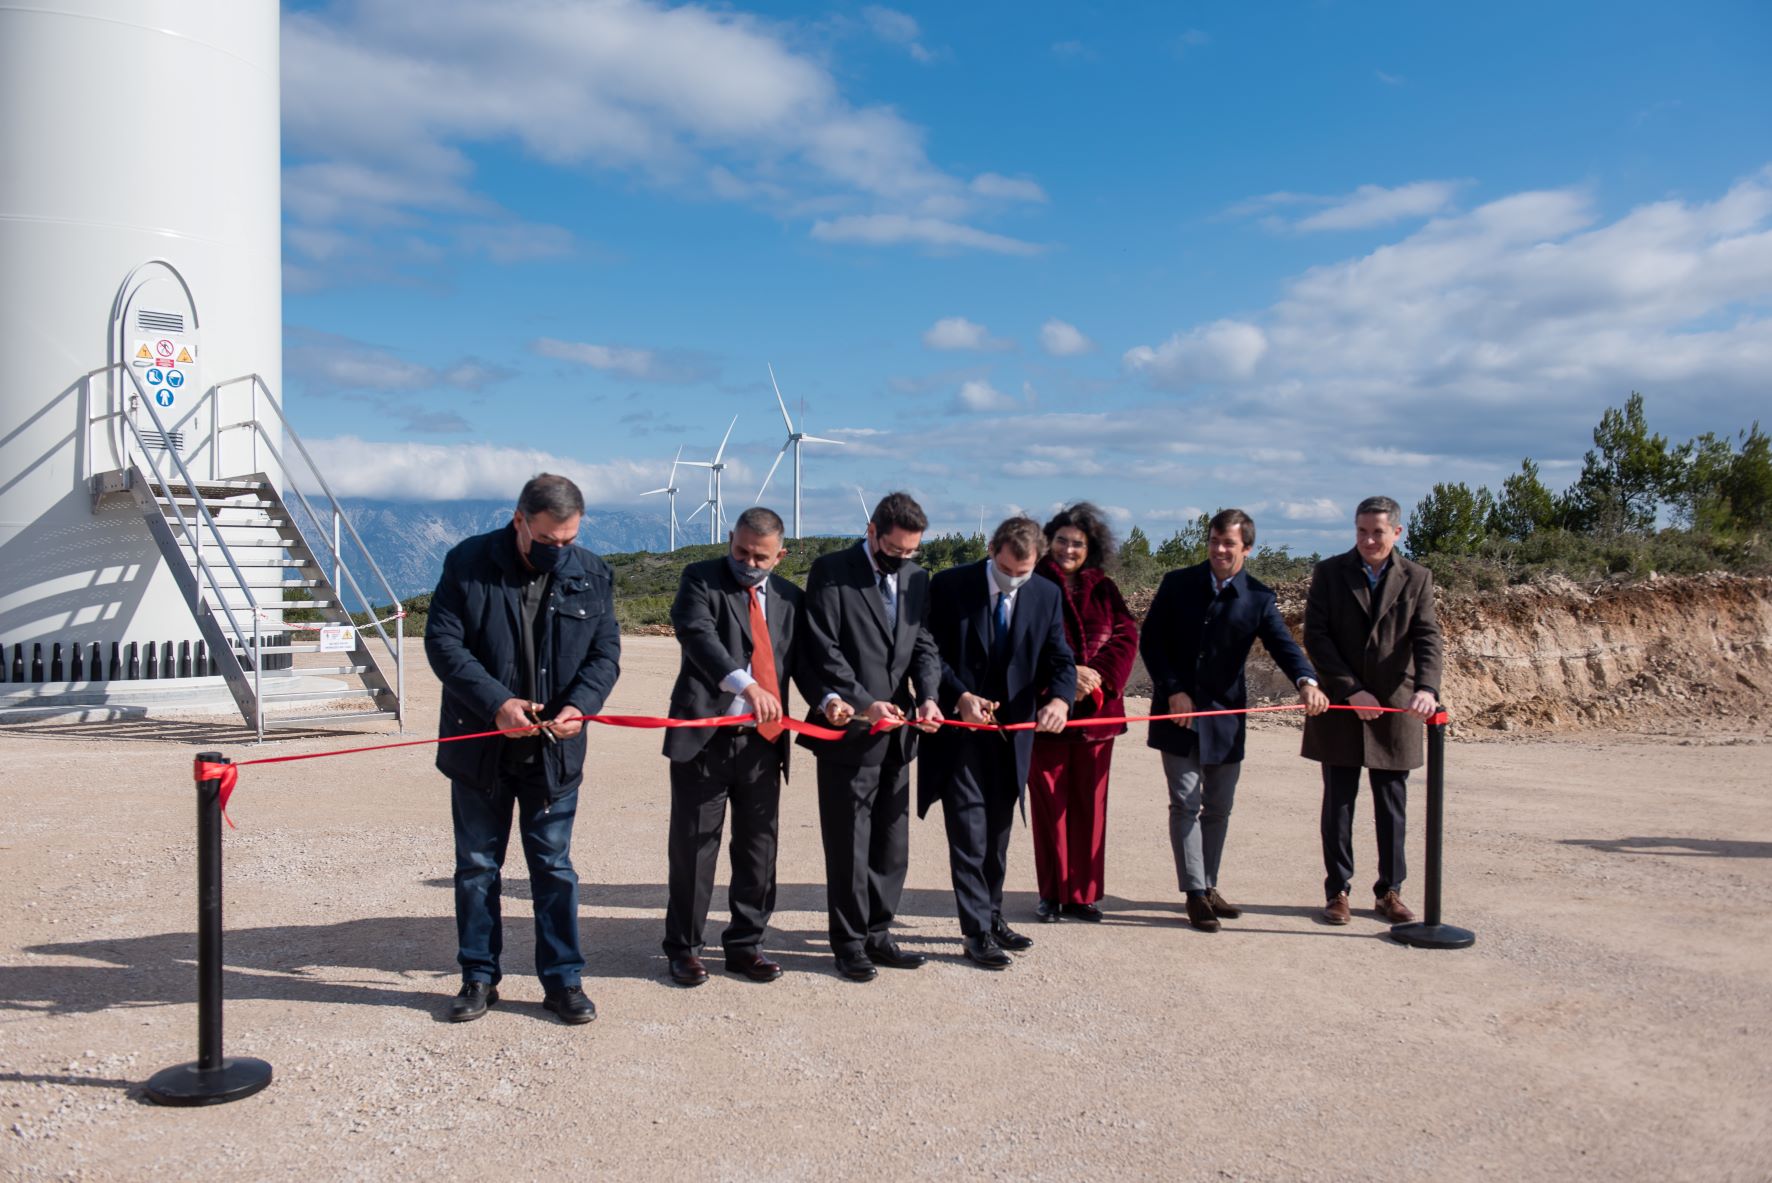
[142, 351]
[184, 355]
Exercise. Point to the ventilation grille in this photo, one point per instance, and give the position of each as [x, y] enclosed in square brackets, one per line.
[170, 441]
[160, 322]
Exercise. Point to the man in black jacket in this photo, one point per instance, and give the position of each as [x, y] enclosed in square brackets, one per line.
[867, 656]
[737, 626]
[1195, 642]
[1004, 659]
[522, 634]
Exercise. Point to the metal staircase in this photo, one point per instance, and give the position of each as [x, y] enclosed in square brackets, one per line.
[243, 563]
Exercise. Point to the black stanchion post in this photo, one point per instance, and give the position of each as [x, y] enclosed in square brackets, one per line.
[1429, 932]
[211, 1079]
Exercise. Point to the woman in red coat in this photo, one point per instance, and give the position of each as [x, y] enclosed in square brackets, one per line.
[1068, 778]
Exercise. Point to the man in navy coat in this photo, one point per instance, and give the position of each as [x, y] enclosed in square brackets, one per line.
[1005, 660]
[522, 635]
[1195, 641]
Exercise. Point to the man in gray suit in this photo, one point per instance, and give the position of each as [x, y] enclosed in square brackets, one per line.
[867, 656]
[1370, 630]
[737, 625]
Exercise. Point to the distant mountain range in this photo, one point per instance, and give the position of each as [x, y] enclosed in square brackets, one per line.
[409, 538]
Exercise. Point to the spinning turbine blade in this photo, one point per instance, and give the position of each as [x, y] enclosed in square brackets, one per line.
[723, 440]
[772, 468]
[779, 403]
[819, 439]
[697, 512]
[673, 479]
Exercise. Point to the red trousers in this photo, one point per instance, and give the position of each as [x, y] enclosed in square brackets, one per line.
[1067, 783]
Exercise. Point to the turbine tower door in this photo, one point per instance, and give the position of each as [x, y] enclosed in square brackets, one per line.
[154, 332]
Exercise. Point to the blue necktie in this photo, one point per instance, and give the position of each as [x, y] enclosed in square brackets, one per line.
[886, 594]
[1002, 630]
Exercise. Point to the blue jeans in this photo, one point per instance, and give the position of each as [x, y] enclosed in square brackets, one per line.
[482, 833]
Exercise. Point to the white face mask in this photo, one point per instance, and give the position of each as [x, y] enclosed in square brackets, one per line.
[1005, 582]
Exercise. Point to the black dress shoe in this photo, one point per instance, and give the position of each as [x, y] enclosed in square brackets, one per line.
[857, 967]
[688, 970]
[1009, 938]
[984, 950]
[472, 1001]
[570, 1004]
[1087, 912]
[1049, 912]
[888, 954]
[752, 965]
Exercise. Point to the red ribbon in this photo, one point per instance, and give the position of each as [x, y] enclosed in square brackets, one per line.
[229, 774]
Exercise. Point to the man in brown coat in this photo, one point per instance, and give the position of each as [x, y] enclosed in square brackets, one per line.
[1370, 630]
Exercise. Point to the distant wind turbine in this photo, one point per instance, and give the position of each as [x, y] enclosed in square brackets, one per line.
[716, 466]
[670, 492]
[796, 437]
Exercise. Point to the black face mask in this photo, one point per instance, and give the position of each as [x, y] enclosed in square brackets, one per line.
[888, 563]
[545, 558]
[747, 576]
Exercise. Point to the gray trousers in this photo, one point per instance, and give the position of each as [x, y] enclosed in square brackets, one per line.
[1200, 800]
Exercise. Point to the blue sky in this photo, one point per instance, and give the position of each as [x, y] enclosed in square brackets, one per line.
[1168, 257]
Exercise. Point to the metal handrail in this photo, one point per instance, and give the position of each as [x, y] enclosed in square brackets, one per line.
[394, 645]
[145, 401]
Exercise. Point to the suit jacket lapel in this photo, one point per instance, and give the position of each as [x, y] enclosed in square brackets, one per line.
[1356, 581]
[870, 588]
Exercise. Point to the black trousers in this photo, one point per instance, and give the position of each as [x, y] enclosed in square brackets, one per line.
[864, 814]
[978, 805]
[1389, 794]
[741, 767]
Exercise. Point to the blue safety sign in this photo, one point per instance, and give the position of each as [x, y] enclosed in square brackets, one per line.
[175, 378]
[155, 377]
[163, 397]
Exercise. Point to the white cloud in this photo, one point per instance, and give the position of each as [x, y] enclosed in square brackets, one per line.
[896, 229]
[979, 395]
[1316, 509]
[1367, 206]
[1389, 458]
[1225, 350]
[676, 367]
[328, 361]
[956, 333]
[436, 472]
[1008, 188]
[385, 100]
[1063, 340]
[898, 28]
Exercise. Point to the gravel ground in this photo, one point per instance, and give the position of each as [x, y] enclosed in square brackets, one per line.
[1612, 1021]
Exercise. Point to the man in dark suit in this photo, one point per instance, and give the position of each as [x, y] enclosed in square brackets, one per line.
[1195, 643]
[1369, 626]
[737, 626]
[1004, 660]
[866, 656]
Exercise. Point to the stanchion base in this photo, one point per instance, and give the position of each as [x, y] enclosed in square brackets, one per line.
[187, 1084]
[1433, 936]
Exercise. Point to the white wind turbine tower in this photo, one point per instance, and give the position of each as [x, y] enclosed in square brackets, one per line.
[670, 492]
[795, 438]
[714, 502]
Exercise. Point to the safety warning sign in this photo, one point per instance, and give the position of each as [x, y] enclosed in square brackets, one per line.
[337, 638]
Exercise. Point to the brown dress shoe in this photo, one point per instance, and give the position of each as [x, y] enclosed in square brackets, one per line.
[1336, 912]
[1390, 907]
[1199, 913]
[1221, 907]
[688, 970]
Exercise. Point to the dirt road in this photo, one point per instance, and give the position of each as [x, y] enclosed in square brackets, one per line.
[1613, 1021]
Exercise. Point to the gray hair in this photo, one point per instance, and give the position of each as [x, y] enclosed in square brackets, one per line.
[553, 495]
[765, 523]
[1384, 505]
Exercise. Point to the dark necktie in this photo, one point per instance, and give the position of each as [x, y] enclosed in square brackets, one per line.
[1001, 633]
[891, 599]
[763, 659]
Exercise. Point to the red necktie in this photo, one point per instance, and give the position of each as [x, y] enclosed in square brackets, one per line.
[763, 659]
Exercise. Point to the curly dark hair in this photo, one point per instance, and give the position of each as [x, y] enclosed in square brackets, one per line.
[1087, 517]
